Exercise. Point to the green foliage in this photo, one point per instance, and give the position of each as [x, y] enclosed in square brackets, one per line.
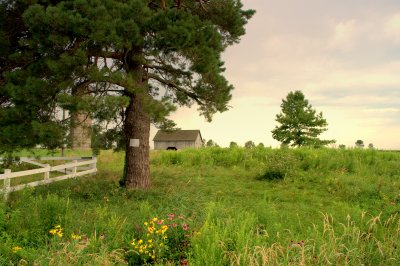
[249, 144]
[211, 143]
[279, 165]
[359, 143]
[344, 204]
[97, 56]
[300, 125]
[233, 144]
[370, 146]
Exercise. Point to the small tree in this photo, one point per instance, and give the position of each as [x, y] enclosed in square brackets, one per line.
[359, 143]
[260, 145]
[211, 143]
[233, 145]
[300, 125]
[342, 146]
[371, 146]
[249, 144]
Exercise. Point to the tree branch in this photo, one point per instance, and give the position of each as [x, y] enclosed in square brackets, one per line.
[169, 83]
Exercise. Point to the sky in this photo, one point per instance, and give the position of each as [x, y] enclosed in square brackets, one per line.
[343, 55]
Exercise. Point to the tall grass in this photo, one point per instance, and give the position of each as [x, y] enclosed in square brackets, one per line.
[245, 207]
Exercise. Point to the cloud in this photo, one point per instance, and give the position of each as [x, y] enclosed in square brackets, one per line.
[345, 36]
[344, 56]
[392, 28]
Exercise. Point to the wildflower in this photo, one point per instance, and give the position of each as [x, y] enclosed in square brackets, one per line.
[75, 237]
[171, 216]
[140, 241]
[150, 240]
[295, 245]
[57, 230]
[16, 249]
[185, 227]
[146, 223]
[160, 222]
[164, 228]
[181, 217]
[155, 219]
[174, 225]
[184, 262]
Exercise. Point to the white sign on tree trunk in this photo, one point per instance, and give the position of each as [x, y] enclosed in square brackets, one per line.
[134, 142]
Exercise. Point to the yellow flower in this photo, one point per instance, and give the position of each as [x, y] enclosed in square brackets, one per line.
[140, 241]
[161, 245]
[16, 249]
[150, 240]
[155, 219]
[146, 223]
[57, 230]
[76, 237]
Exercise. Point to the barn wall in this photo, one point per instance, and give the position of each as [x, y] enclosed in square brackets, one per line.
[163, 145]
[198, 143]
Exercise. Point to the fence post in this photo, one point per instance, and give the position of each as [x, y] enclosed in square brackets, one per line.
[94, 165]
[47, 174]
[6, 187]
[74, 168]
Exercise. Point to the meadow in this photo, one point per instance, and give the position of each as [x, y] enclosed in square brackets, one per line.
[215, 206]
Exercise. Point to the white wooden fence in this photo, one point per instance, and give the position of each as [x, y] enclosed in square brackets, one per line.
[78, 167]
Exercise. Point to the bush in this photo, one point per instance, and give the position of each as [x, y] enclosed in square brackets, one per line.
[278, 165]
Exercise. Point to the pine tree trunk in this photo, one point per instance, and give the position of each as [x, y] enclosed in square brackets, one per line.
[81, 125]
[137, 126]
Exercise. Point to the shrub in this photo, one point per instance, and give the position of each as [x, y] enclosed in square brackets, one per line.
[279, 165]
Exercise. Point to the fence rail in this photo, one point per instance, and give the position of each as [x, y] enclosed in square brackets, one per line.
[70, 170]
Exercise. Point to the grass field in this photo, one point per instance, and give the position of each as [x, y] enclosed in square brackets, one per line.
[223, 206]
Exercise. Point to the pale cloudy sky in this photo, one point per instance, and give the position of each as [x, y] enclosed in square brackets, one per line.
[344, 55]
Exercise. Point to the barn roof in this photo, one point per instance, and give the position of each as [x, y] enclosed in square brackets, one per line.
[183, 135]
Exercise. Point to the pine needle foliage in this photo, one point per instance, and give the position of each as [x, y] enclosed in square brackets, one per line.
[300, 124]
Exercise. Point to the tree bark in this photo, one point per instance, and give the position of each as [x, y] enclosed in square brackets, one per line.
[137, 126]
[81, 125]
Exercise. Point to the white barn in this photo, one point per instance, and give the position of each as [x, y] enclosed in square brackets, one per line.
[176, 140]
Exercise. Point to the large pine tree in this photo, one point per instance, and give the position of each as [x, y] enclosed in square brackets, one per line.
[138, 59]
[300, 124]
